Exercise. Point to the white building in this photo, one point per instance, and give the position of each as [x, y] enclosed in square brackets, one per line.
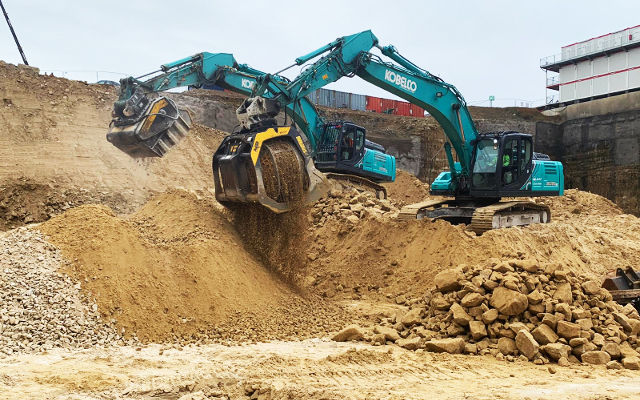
[594, 68]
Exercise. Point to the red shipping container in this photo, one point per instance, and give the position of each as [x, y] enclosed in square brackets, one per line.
[374, 104]
[388, 106]
[416, 111]
[403, 108]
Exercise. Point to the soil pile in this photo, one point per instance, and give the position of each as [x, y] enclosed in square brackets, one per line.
[518, 308]
[177, 269]
[375, 257]
[52, 143]
[406, 189]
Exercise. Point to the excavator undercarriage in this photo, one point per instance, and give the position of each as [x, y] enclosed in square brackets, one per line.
[480, 216]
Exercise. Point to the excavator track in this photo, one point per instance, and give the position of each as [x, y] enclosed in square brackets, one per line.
[418, 210]
[380, 190]
[507, 214]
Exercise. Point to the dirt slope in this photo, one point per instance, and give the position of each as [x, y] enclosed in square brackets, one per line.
[52, 139]
[176, 267]
[386, 257]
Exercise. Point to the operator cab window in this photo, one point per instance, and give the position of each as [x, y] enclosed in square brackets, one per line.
[484, 168]
[347, 146]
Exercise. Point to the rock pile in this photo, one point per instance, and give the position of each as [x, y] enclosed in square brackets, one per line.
[351, 204]
[517, 309]
[40, 308]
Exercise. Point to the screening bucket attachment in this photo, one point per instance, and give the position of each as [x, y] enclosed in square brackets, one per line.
[152, 132]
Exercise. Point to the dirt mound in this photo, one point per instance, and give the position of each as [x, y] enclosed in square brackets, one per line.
[53, 134]
[176, 268]
[406, 189]
[370, 257]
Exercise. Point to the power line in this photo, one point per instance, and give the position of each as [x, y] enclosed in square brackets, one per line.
[6, 16]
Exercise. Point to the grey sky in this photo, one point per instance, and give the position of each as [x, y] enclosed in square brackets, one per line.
[483, 47]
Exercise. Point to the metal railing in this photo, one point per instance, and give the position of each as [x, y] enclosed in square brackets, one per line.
[553, 80]
[548, 60]
[596, 45]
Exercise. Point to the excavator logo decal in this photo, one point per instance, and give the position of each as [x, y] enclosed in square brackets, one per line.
[399, 80]
[247, 84]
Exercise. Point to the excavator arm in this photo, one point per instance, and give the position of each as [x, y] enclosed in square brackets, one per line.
[507, 165]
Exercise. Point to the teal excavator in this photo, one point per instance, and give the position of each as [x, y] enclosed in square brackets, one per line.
[144, 126]
[489, 166]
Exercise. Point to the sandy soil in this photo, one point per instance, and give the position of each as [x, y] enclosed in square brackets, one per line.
[311, 369]
[178, 270]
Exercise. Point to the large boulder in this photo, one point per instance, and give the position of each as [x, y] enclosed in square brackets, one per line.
[477, 329]
[631, 362]
[450, 345]
[508, 302]
[409, 344]
[563, 293]
[596, 357]
[351, 332]
[507, 346]
[527, 344]
[411, 318]
[568, 330]
[460, 316]
[389, 333]
[544, 334]
[448, 280]
[591, 287]
[472, 300]
[557, 350]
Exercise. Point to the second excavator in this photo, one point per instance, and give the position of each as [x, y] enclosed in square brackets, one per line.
[489, 166]
[250, 165]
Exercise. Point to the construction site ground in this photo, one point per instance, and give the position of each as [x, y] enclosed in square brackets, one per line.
[124, 278]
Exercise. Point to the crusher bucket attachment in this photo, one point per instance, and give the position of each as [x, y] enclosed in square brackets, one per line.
[624, 286]
[269, 166]
[152, 130]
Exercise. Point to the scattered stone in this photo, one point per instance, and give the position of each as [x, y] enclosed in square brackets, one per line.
[448, 280]
[614, 365]
[631, 362]
[557, 350]
[596, 357]
[568, 330]
[409, 344]
[526, 344]
[351, 332]
[563, 293]
[390, 334]
[477, 329]
[450, 345]
[508, 302]
[507, 346]
[544, 334]
[472, 300]
[411, 318]
[489, 316]
[460, 316]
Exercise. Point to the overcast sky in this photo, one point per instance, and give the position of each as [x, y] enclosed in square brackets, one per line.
[482, 47]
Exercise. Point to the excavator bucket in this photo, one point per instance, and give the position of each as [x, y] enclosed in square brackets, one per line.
[160, 126]
[624, 286]
[271, 167]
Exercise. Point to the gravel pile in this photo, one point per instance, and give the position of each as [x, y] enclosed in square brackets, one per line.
[40, 308]
[516, 309]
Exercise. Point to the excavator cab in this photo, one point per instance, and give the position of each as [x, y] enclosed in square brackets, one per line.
[503, 165]
[343, 148]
